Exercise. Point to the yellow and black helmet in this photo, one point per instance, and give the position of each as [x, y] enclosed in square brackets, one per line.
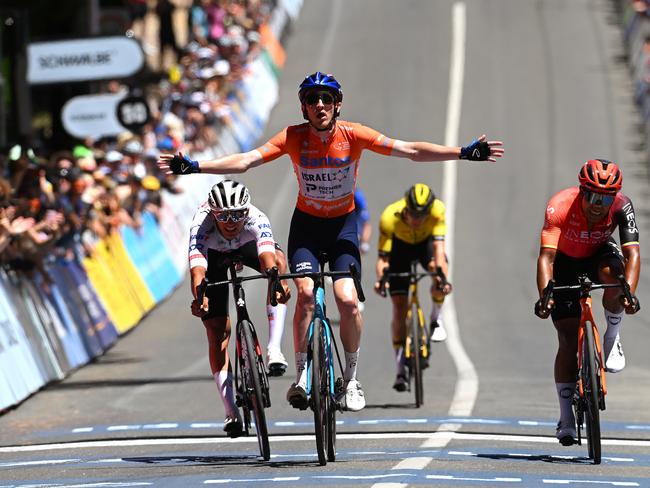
[419, 198]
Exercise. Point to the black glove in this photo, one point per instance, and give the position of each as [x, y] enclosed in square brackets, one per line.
[183, 165]
[476, 151]
[541, 311]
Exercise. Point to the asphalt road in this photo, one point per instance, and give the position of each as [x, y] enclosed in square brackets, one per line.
[546, 77]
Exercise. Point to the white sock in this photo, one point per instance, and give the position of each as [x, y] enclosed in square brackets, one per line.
[276, 317]
[435, 310]
[613, 327]
[351, 359]
[223, 379]
[400, 359]
[565, 397]
[301, 371]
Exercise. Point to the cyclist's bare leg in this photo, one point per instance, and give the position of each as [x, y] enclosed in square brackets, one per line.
[351, 324]
[566, 370]
[566, 365]
[398, 322]
[218, 332]
[301, 318]
[398, 331]
[348, 305]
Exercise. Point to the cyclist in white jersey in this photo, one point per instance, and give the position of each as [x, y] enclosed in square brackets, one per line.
[228, 223]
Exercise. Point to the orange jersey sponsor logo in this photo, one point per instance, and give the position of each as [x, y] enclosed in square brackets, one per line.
[326, 169]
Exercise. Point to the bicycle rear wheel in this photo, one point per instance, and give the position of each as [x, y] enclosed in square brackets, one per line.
[416, 347]
[319, 390]
[254, 393]
[591, 387]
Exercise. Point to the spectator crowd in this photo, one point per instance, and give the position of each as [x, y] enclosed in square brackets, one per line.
[60, 202]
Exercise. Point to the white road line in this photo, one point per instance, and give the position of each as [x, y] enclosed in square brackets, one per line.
[466, 389]
[467, 384]
[44, 462]
[413, 463]
[593, 482]
[446, 436]
[461, 478]
[251, 480]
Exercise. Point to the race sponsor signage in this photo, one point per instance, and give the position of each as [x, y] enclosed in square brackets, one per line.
[83, 59]
[92, 115]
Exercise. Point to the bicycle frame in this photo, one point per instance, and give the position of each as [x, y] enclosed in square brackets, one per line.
[414, 303]
[587, 320]
[319, 312]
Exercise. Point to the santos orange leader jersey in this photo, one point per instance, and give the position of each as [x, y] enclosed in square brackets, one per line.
[326, 170]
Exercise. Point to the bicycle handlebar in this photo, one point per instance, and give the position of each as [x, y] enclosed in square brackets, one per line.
[274, 280]
[408, 274]
[585, 286]
[205, 284]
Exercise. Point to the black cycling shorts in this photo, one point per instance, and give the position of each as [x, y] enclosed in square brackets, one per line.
[401, 256]
[566, 271]
[310, 235]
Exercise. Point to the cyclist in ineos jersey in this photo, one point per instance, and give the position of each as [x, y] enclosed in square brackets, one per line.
[325, 153]
[576, 239]
[228, 223]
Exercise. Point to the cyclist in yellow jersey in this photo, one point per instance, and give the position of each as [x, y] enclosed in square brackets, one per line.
[412, 228]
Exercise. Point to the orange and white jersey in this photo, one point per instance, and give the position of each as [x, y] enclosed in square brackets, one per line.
[326, 169]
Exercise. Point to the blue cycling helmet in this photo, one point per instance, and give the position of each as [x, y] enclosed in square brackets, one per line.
[320, 80]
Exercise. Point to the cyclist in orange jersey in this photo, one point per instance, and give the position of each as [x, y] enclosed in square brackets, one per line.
[577, 239]
[325, 153]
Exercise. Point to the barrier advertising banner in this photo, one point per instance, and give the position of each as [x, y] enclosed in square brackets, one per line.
[100, 322]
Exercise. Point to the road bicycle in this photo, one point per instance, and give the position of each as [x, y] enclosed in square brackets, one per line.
[323, 387]
[417, 347]
[591, 387]
[251, 382]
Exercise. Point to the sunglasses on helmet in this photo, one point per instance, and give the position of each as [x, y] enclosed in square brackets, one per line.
[595, 198]
[313, 97]
[232, 215]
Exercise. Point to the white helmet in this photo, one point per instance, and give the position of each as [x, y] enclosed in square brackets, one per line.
[229, 195]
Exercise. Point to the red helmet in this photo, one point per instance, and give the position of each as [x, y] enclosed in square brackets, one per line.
[601, 176]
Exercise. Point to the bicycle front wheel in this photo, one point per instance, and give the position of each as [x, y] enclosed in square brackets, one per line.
[319, 390]
[416, 360]
[254, 393]
[591, 387]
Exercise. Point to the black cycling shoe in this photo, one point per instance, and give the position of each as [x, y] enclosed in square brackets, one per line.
[297, 397]
[401, 383]
[233, 427]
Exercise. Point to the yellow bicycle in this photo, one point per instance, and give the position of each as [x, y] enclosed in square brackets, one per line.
[417, 347]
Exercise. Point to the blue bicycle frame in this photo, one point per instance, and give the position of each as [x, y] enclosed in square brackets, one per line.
[319, 312]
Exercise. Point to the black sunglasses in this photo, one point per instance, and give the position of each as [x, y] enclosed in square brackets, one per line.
[595, 198]
[234, 215]
[312, 98]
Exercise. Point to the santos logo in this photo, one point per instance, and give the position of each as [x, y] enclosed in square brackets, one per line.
[328, 161]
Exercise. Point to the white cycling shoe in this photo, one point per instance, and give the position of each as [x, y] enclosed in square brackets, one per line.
[615, 358]
[276, 362]
[354, 398]
[438, 334]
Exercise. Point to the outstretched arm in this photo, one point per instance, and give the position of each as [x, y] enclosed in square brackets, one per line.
[479, 150]
[232, 164]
